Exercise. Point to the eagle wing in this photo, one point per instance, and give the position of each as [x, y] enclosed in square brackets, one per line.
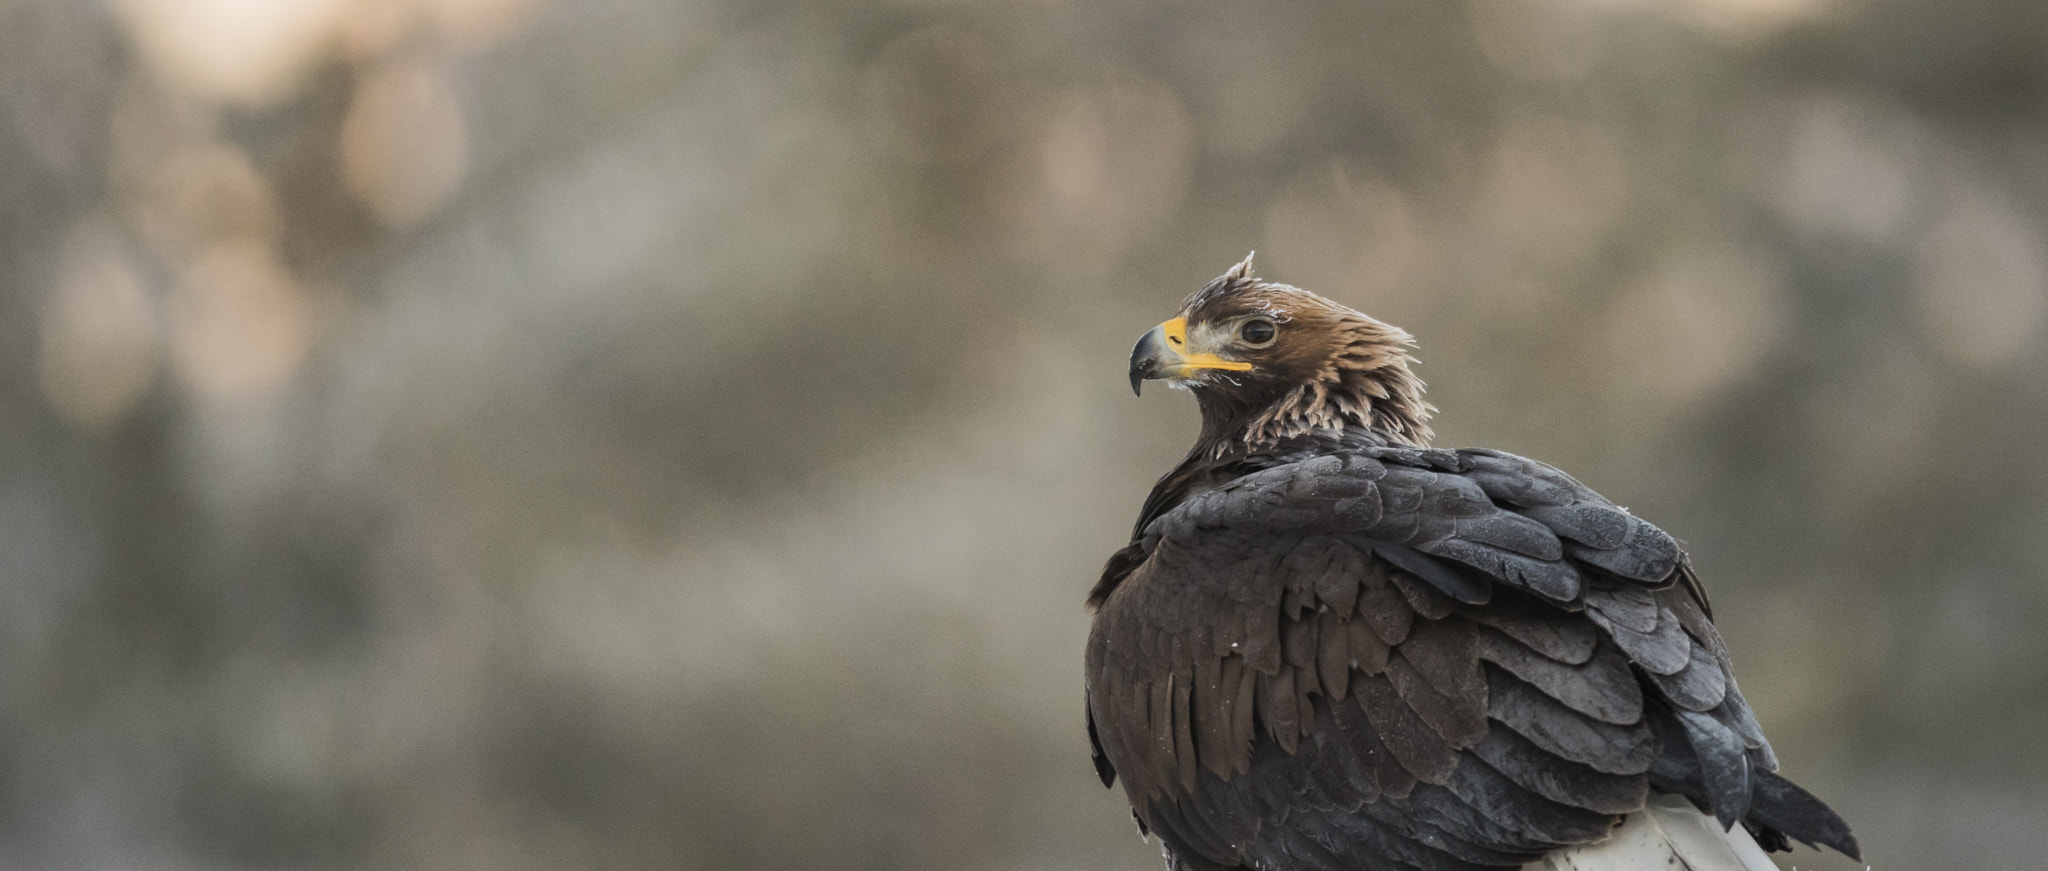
[1408, 657]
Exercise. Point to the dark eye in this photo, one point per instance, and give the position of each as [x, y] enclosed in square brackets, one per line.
[1257, 332]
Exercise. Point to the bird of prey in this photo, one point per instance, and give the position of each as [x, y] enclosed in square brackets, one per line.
[1329, 646]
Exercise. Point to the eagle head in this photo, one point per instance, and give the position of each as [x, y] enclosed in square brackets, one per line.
[1270, 363]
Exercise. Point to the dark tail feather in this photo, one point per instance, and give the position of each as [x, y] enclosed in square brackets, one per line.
[1777, 807]
[1780, 805]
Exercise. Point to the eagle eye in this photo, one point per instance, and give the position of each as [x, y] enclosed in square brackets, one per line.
[1257, 332]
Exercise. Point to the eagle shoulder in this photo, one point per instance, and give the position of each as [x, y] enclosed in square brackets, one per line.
[1459, 651]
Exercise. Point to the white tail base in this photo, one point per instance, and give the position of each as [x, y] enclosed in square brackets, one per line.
[1667, 835]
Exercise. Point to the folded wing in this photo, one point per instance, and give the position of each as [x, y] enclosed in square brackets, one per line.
[1429, 658]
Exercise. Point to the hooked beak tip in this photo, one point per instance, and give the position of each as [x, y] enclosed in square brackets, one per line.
[1145, 359]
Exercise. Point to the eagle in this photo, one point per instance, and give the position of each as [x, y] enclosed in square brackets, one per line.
[1329, 646]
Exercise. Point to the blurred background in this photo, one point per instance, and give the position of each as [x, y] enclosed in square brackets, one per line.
[679, 434]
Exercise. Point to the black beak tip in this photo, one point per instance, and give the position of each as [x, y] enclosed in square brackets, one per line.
[1145, 360]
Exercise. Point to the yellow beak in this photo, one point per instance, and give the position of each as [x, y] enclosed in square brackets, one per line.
[1163, 353]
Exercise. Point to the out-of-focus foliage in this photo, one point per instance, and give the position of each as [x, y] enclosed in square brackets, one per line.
[679, 433]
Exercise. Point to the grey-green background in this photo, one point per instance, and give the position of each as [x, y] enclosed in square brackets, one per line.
[679, 434]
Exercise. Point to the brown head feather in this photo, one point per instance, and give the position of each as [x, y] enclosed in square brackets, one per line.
[1331, 371]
